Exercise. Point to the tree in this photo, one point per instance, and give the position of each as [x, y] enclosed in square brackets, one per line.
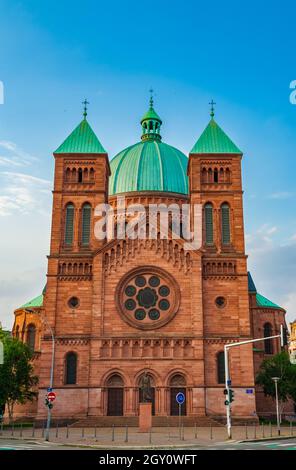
[17, 380]
[278, 366]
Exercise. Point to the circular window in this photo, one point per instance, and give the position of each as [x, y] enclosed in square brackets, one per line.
[147, 298]
[130, 304]
[140, 281]
[154, 314]
[140, 314]
[164, 304]
[154, 281]
[164, 291]
[220, 302]
[73, 302]
[130, 291]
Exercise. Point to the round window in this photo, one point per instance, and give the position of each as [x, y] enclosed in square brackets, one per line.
[220, 302]
[73, 302]
[147, 299]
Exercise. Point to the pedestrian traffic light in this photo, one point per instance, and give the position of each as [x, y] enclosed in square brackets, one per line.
[48, 403]
[231, 395]
[225, 391]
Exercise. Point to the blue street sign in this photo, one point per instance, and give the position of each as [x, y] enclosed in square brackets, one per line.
[249, 390]
[180, 398]
[49, 389]
[229, 382]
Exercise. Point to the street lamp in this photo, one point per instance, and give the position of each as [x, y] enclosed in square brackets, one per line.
[51, 370]
[276, 379]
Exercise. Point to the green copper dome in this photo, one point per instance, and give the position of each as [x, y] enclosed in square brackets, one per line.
[149, 165]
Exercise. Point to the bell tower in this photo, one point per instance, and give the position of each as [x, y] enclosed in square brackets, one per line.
[215, 182]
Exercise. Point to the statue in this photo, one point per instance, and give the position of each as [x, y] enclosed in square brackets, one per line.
[146, 389]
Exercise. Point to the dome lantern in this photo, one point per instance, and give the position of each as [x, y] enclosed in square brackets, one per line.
[151, 123]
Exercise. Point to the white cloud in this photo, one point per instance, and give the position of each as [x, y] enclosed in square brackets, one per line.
[281, 195]
[23, 193]
[11, 155]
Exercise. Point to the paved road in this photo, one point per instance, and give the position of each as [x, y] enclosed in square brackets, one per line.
[283, 444]
[20, 444]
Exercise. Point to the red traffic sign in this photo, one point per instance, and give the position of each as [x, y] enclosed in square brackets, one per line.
[51, 396]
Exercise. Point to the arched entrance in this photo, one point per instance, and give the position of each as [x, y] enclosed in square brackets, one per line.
[177, 385]
[115, 396]
[152, 391]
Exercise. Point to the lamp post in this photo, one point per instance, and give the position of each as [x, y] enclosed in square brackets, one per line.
[51, 369]
[276, 379]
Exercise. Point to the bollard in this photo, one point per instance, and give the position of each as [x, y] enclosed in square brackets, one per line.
[126, 433]
[169, 431]
[150, 436]
[211, 432]
[33, 430]
[12, 429]
[82, 432]
[95, 432]
[195, 431]
[1, 432]
[270, 428]
[43, 426]
[67, 435]
[183, 433]
[291, 433]
[113, 432]
[57, 431]
[292, 429]
[246, 428]
[21, 430]
[255, 428]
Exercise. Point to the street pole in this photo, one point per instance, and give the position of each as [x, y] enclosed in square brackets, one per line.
[276, 379]
[51, 379]
[227, 379]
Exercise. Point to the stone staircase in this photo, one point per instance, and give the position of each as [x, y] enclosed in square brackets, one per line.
[133, 421]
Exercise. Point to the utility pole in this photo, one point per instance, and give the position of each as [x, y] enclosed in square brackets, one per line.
[276, 379]
[227, 374]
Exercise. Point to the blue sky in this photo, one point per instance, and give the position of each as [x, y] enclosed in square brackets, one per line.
[54, 54]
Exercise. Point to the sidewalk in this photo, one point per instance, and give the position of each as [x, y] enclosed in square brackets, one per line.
[120, 437]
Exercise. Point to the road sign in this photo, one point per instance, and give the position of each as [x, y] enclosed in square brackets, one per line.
[180, 398]
[51, 396]
[49, 389]
[229, 382]
[249, 390]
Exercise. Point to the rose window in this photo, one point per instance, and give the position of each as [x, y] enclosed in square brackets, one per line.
[148, 299]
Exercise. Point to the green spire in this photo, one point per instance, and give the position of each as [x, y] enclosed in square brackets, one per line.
[151, 123]
[214, 140]
[82, 139]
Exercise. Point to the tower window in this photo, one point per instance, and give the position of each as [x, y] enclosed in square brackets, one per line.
[86, 216]
[209, 224]
[215, 175]
[71, 368]
[80, 175]
[225, 222]
[69, 224]
[221, 368]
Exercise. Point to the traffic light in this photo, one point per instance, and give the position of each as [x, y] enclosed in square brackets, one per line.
[231, 395]
[48, 403]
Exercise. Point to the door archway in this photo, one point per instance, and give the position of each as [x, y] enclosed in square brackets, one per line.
[115, 395]
[177, 384]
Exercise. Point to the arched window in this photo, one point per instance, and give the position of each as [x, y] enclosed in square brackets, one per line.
[69, 224]
[225, 223]
[31, 336]
[209, 224]
[221, 368]
[216, 175]
[268, 342]
[85, 225]
[71, 368]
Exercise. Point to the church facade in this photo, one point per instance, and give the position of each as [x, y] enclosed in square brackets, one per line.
[123, 307]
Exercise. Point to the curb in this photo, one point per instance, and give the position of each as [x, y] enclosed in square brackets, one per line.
[264, 439]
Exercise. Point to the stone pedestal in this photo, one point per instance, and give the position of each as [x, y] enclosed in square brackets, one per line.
[145, 417]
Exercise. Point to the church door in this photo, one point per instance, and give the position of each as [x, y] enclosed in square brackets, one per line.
[177, 385]
[115, 402]
[115, 396]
